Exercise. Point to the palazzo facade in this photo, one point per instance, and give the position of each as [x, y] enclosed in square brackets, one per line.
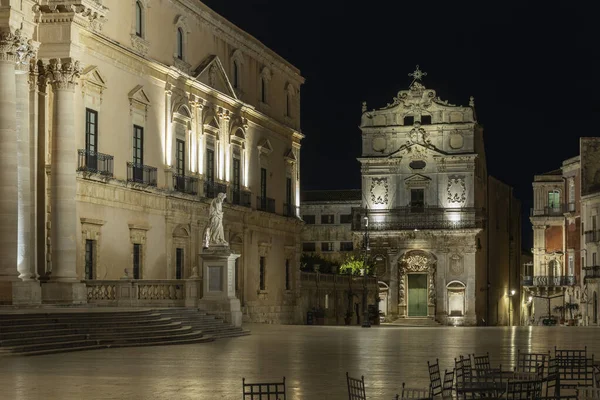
[120, 121]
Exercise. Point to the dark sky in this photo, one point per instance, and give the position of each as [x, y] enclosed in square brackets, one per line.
[531, 66]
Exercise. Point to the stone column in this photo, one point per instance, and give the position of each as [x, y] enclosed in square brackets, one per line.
[393, 291]
[64, 285]
[169, 140]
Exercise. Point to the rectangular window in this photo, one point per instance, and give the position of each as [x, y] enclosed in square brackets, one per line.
[210, 165]
[137, 260]
[179, 264]
[89, 259]
[263, 183]
[327, 219]
[309, 246]
[425, 119]
[554, 199]
[91, 139]
[138, 153]
[262, 274]
[326, 246]
[236, 175]
[309, 219]
[287, 275]
[346, 246]
[346, 219]
[409, 120]
[417, 200]
[180, 157]
[571, 265]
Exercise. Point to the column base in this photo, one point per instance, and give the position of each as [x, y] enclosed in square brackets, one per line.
[230, 310]
[19, 293]
[64, 293]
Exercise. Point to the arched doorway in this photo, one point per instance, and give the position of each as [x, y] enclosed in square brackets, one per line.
[416, 289]
[456, 299]
[384, 291]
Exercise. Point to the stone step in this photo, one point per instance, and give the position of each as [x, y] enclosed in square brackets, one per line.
[79, 318]
[108, 335]
[42, 339]
[34, 315]
[49, 329]
[57, 350]
[91, 323]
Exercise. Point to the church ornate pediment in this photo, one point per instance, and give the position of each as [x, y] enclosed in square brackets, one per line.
[417, 180]
[290, 156]
[93, 82]
[138, 100]
[417, 151]
[211, 73]
[264, 146]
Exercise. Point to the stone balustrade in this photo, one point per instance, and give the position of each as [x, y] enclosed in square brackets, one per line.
[144, 293]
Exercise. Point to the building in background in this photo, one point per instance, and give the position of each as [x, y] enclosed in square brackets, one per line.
[131, 115]
[441, 251]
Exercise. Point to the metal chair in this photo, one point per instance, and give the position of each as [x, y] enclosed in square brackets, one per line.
[414, 394]
[585, 393]
[356, 388]
[263, 391]
[448, 384]
[531, 362]
[435, 379]
[523, 390]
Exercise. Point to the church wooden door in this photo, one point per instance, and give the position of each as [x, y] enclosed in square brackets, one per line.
[417, 295]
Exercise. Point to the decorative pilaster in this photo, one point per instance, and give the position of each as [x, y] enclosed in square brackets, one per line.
[169, 139]
[63, 75]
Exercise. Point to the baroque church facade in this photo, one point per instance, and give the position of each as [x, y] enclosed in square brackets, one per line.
[120, 121]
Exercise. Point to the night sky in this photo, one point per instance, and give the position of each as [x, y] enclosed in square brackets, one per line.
[531, 66]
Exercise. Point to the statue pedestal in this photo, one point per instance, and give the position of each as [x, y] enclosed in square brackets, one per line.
[218, 284]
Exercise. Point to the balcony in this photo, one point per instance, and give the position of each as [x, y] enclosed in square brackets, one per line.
[212, 189]
[94, 162]
[548, 280]
[556, 211]
[241, 198]
[411, 218]
[591, 272]
[139, 173]
[265, 204]
[185, 184]
[592, 236]
[290, 210]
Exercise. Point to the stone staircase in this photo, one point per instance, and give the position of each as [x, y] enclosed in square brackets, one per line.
[415, 322]
[72, 330]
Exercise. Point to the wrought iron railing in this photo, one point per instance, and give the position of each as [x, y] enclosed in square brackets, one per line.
[557, 210]
[94, 162]
[592, 272]
[212, 189]
[592, 236]
[265, 204]
[290, 210]
[185, 184]
[406, 218]
[548, 280]
[140, 173]
[241, 198]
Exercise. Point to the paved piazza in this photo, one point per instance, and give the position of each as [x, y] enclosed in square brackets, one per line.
[314, 360]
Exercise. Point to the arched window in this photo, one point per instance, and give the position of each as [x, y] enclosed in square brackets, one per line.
[139, 19]
[180, 43]
[288, 105]
[236, 76]
[263, 90]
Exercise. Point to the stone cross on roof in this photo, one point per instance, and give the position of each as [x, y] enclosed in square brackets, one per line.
[417, 75]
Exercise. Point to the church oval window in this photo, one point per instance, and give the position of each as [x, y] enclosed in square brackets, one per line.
[379, 144]
[456, 140]
[417, 164]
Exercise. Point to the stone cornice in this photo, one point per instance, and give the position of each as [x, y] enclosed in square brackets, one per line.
[90, 13]
[232, 34]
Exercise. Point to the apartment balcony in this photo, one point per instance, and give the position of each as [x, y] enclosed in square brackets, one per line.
[241, 198]
[548, 281]
[143, 174]
[265, 204]
[212, 189]
[592, 236]
[422, 217]
[94, 162]
[290, 210]
[185, 184]
[592, 272]
[557, 211]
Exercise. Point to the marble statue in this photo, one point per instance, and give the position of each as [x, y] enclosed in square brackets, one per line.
[213, 234]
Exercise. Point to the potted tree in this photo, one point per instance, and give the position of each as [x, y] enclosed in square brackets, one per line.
[560, 310]
[571, 307]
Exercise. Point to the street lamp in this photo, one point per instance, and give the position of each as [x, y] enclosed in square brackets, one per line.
[366, 323]
[510, 300]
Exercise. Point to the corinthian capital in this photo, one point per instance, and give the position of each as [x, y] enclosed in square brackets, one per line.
[62, 74]
[14, 47]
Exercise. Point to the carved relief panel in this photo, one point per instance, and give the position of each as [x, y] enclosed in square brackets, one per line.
[379, 191]
[457, 191]
[456, 265]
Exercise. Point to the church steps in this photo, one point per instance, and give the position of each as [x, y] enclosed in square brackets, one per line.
[42, 339]
[79, 318]
[86, 324]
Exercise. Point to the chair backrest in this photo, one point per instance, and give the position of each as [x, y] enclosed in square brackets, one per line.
[570, 354]
[531, 362]
[448, 384]
[467, 370]
[356, 388]
[458, 370]
[414, 394]
[584, 393]
[263, 390]
[524, 390]
[576, 371]
[552, 380]
[482, 363]
[435, 379]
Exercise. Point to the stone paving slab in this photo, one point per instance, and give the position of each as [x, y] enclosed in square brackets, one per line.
[314, 360]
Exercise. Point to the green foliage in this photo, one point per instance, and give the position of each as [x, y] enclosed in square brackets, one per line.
[353, 265]
[309, 261]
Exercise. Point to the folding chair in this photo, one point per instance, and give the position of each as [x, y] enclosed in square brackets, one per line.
[585, 393]
[356, 388]
[263, 391]
[435, 379]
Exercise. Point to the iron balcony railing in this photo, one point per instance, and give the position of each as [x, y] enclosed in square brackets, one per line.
[185, 184]
[212, 189]
[592, 236]
[423, 217]
[94, 162]
[289, 210]
[241, 197]
[265, 204]
[140, 173]
[557, 210]
[592, 272]
[548, 280]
